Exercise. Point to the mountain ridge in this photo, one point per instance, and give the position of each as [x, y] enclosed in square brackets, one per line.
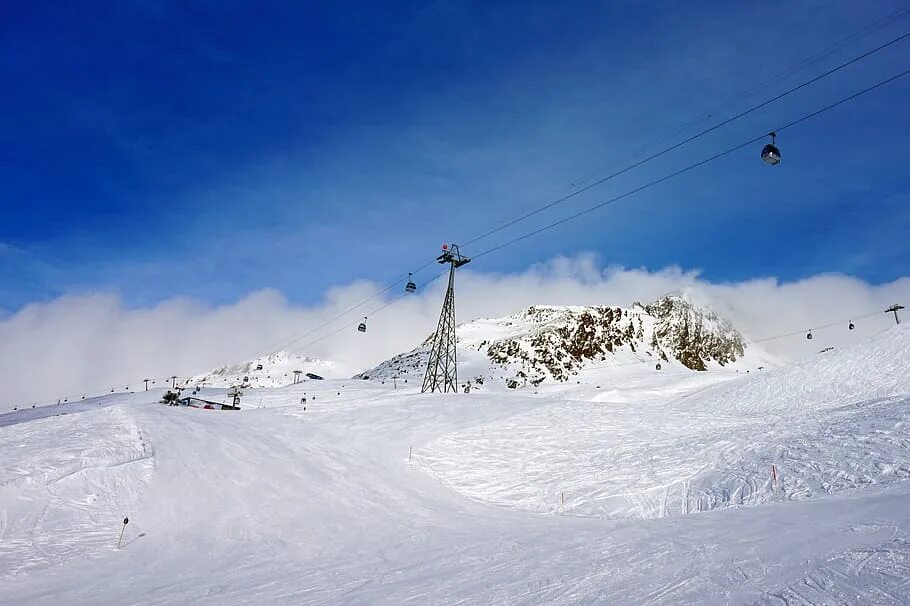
[555, 343]
[274, 370]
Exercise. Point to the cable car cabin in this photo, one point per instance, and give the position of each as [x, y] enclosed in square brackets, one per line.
[410, 286]
[769, 153]
[809, 335]
[259, 367]
[851, 326]
[362, 327]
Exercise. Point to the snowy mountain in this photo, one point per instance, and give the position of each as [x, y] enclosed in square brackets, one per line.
[549, 343]
[275, 370]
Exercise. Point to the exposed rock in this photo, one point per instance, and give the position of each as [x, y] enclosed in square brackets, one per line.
[554, 343]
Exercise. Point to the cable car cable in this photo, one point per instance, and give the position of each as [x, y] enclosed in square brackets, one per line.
[605, 179]
[890, 18]
[276, 348]
[698, 135]
[632, 192]
[643, 149]
[581, 190]
[610, 201]
[373, 312]
[687, 168]
[632, 166]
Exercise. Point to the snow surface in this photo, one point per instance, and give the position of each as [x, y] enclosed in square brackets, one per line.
[664, 476]
[828, 424]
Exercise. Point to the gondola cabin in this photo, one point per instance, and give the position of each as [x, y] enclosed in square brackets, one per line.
[769, 153]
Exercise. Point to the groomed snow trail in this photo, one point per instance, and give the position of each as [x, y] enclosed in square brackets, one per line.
[833, 423]
[281, 505]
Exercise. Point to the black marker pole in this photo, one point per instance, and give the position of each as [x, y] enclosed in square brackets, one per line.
[125, 522]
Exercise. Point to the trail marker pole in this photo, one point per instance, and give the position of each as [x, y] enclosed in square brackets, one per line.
[125, 522]
[410, 449]
[774, 480]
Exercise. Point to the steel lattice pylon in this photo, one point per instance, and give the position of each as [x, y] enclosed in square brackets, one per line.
[442, 368]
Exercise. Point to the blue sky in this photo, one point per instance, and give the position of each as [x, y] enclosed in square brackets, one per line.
[167, 149]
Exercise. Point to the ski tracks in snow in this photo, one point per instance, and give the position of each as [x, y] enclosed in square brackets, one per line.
[63, 491]
[628, 461]
[879, 575]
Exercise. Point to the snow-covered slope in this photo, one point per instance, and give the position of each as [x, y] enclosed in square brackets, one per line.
[832, 423]
[874, 368]
[547, 343]
[275, 370]
[374, 494]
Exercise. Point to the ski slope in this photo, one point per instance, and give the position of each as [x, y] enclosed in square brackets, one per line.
[665, 481]
[829, 424]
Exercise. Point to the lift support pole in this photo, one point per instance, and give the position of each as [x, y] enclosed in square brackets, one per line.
[442, 367]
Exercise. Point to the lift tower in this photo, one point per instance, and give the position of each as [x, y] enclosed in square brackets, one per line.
[442, 367]
[895, 308]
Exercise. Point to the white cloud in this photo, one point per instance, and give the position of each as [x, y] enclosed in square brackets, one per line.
[91, 343]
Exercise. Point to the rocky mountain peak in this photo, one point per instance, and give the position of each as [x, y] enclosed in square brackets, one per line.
[546, 342]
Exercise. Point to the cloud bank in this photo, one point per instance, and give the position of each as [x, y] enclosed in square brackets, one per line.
[91, 343]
